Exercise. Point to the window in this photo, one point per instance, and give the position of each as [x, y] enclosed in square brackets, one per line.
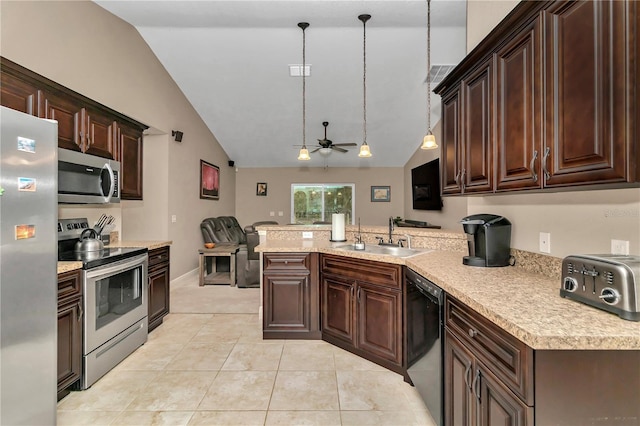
[315, 202]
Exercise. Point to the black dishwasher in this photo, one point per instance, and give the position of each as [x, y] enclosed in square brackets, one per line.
[425, 331]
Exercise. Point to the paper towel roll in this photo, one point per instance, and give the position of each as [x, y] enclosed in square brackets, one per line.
[337, 227]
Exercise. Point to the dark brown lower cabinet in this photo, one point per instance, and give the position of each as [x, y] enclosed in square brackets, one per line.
[290, 296]
[492, 378]
[362, 308]
[70, 316]
[158, 285]
[473, 395]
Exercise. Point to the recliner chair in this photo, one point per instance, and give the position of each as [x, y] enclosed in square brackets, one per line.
[249, 271]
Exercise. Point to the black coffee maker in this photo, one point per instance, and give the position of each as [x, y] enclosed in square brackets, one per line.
[489, 239]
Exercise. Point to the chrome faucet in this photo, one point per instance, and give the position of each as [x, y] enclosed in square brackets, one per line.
[390, 230]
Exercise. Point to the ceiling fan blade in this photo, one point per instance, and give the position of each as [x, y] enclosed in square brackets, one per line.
[338, 148]
[345, 144]
[315, 150]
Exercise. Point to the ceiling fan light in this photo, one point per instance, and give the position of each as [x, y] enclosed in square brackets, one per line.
[365, 152]
[304, 154]
[429, 142]
[325, 151]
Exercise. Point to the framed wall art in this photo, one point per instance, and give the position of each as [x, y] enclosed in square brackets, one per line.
[209, 181]
[380, 193]
[261, 189]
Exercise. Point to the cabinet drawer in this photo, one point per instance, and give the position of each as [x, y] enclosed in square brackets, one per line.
[69, 285]
[506, 357]
[159, 255]
[289, 262]
[385, 274]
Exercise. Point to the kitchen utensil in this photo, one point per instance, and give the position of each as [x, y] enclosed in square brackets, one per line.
[89, 243]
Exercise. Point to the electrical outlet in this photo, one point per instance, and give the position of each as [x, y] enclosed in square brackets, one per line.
[280, 214]
[545, 242]
[272, 213]
[307, 234]
[174, 219]
[620, 247]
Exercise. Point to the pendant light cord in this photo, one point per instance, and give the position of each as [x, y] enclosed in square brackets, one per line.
[304, 86]
[428, 66]
[364, 78]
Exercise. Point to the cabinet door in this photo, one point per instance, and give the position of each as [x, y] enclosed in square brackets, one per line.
[518, 109]
[99, 135]
[338, 315]
[587, 94]
[451, 149]
[69, 118]
[158, 295]
[19, 95]
[380, 322]
[497, 405]
[459, 402]
[477, 139]
[69, 343]
[129, 154]
[286, 302]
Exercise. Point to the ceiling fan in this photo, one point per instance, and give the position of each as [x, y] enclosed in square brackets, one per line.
[326, 145]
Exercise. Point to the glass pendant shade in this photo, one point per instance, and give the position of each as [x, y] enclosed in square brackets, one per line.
[429, 142]
[304, 154]
[364, 151]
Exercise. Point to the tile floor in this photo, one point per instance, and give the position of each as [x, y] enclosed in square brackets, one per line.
[213, 368]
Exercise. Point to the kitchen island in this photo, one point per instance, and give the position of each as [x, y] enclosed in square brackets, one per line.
[538, 358]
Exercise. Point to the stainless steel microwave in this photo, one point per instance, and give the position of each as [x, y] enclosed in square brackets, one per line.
[87, 179]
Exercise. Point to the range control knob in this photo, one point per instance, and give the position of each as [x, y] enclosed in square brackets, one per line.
[610, 295]
[570, 284]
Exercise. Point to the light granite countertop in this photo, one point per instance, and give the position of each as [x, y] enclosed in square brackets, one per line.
[525, 304]
[150, 245]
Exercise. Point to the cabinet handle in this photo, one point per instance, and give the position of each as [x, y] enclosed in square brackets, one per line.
[286, 262]
[464, 172]
[457, 178]
[359, 293]
[80, 311]
[473, 333]
[466, 376]
[352, 290]
[534, 175]
[475, 385]
[547, 175]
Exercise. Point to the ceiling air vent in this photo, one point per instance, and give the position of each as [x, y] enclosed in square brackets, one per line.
[296, 70]
[437, 73]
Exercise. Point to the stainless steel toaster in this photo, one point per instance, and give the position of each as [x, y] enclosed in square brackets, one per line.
[605, 281]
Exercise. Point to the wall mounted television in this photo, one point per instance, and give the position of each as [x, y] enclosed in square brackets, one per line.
[425, 185]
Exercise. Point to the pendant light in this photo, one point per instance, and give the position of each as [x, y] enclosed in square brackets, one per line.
[429, 141]
[304, 152]
[364, 148]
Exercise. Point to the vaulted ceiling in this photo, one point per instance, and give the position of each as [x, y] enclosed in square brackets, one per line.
[231, 60]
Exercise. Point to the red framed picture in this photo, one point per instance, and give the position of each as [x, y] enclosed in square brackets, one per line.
[209, 181]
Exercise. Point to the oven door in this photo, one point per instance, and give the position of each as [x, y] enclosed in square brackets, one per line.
[115, 297]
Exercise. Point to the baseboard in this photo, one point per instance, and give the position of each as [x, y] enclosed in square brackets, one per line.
[187, 276]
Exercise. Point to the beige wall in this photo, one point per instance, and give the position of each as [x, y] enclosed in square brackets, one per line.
[251, 208]
[82, 46]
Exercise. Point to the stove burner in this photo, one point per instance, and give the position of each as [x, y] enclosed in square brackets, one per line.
[93, 259]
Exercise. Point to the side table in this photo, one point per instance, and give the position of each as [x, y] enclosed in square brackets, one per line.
[215, 277]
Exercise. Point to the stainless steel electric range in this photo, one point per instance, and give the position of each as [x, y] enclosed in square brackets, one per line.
[115, 298]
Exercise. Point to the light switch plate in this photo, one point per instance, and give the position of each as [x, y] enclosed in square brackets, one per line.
[307, 234]
[174, 219]
[545, 242]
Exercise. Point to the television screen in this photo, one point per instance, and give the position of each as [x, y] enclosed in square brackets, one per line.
[425, 183]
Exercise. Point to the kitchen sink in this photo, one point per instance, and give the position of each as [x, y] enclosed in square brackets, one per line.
[384, 250]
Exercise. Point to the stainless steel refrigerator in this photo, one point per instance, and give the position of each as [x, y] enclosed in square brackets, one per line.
[28, 272]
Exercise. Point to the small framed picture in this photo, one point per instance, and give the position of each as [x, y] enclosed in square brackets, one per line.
[380, 193]
[261, 189]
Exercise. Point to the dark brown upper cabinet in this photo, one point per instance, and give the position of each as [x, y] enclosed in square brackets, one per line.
[548, 100]
[84, 125]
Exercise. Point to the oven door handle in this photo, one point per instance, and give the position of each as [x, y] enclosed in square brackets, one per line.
[117, 268]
